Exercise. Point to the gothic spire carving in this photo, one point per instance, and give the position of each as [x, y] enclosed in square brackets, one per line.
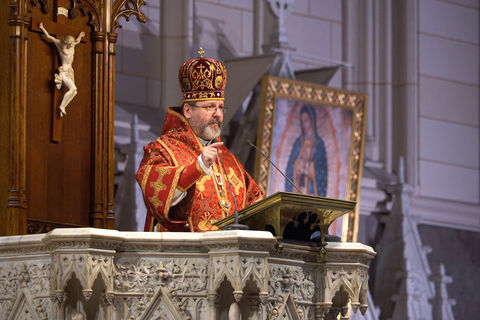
[119, 8]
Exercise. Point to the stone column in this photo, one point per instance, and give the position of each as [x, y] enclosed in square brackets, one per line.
[177, 47]
[254, 304]
[367, 43]
[212, 305]
[405, 91]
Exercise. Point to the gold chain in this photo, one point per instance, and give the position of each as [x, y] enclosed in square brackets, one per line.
[223, 203]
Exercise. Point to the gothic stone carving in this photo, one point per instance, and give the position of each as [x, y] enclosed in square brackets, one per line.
[24, 290]
[86, 267]
[163, 284]
[182, 281]
[237, 269]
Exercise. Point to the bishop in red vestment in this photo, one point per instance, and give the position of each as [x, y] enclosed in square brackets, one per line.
[187, 176]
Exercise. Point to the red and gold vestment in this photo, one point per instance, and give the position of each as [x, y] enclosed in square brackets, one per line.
[170, 163]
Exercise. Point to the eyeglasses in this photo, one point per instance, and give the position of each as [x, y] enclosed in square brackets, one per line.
[212, 109]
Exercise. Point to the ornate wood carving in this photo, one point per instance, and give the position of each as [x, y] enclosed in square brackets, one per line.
[119, 8]
[126, 9]
[43, 4]
[37, 226]
[103, 18]
[16, 206]
[105, 22]
[92, 9]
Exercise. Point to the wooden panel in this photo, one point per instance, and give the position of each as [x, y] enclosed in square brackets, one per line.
[5, 127]
[58, 174]
[68, 180]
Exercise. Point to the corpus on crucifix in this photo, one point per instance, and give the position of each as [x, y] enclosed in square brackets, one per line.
[65, 75]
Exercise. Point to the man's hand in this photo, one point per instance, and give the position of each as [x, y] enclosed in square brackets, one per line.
[210, 153]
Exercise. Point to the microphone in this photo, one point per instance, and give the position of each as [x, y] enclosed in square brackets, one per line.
[273, 164]
[235, 225]
[315, 236]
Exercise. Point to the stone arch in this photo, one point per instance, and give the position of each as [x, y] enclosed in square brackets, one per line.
[164, 306]
[225, 298]
[87, 301]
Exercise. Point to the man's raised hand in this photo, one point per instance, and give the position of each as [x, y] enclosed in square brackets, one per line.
[210, 153]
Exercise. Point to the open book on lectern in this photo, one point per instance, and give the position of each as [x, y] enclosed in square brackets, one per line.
[291, 216]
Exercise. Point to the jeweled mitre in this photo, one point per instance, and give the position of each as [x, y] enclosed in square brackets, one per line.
[202, 79]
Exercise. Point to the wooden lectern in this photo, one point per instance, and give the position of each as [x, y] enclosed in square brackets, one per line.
[292, 216]
[57, 170]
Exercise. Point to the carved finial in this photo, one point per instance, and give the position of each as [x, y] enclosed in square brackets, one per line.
[87, 293]
[201, 52]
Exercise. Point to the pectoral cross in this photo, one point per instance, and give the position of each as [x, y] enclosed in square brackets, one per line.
[58, 29]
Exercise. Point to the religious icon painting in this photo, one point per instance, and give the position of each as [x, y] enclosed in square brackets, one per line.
[315, 135]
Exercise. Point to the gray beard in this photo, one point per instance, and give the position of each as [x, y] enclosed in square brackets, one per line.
[208, 133]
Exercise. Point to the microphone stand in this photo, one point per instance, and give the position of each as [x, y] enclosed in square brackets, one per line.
[316, 235]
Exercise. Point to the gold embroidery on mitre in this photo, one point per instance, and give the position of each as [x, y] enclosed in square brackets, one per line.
[218, 82]
[201, 75]
[202, 79]
[186, 84]
[204, 95]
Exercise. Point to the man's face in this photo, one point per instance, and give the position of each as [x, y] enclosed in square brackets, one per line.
[205, 118]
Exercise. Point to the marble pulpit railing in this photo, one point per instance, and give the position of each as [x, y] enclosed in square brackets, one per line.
[105, 274]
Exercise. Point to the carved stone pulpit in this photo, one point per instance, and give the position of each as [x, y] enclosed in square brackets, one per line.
[57, 167]
[107, 274]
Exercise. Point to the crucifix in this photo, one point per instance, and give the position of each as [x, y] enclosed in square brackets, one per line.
[64, 44]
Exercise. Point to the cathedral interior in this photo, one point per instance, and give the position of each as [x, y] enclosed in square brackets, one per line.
[418, 62]
[387, 93]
